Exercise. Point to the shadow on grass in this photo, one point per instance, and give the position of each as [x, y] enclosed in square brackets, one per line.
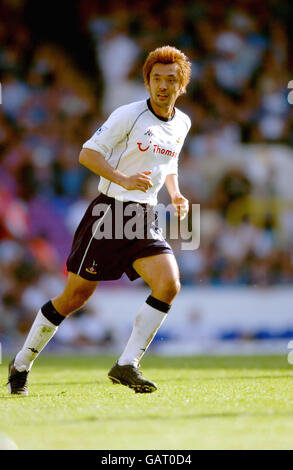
[188, 417]
[162, 381]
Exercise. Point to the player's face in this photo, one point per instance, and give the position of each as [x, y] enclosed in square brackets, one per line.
[164, 87]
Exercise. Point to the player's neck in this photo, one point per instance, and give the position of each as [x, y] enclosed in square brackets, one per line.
[166, 113]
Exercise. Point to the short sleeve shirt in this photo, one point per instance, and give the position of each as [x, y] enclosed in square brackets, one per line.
[135, 139]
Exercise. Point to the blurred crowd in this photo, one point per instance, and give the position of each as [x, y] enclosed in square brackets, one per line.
[237, 162]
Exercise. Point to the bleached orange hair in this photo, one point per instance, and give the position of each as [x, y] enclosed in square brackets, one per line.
[168, 55]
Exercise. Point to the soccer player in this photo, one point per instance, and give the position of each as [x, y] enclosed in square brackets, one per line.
[134, 152]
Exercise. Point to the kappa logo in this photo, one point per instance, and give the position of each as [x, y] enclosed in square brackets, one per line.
[149, 132]
[35, 351]
[92, 269]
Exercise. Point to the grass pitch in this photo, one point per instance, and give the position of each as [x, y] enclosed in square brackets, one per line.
[201, 403]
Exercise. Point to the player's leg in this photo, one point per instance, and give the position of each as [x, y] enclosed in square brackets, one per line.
[161, 273]
[75, 294]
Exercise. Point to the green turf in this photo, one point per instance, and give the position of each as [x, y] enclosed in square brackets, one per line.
[201, 403]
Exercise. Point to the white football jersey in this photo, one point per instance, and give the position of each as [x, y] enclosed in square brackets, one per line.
[135, 139]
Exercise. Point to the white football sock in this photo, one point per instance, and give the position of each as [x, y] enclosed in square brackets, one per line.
[146, 325]
[41, 332]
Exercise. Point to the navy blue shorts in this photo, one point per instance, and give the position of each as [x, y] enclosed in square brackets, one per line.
[98, 257]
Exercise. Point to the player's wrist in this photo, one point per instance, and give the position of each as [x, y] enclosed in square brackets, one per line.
[120, 179]
[176, 196]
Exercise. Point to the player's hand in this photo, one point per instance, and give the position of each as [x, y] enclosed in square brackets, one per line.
[181, 206]
[140, 181]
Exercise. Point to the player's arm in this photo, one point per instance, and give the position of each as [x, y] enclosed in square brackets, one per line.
[96, 162]
[178, 200]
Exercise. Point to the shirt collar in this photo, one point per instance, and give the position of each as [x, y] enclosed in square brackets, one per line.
[159, 117]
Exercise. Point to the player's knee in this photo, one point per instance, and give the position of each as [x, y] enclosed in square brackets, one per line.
[175, 287]
[167, 290]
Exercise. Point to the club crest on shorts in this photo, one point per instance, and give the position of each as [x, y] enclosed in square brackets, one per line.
[92, 269]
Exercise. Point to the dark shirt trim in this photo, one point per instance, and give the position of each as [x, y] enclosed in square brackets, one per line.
[159, 117]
